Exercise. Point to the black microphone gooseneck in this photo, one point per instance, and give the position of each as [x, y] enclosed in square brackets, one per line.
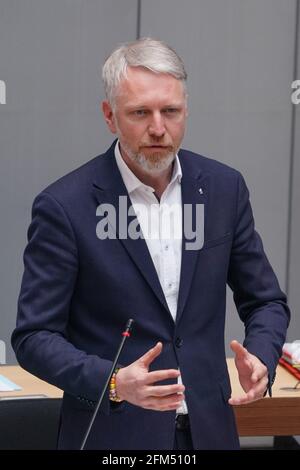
[125, 334]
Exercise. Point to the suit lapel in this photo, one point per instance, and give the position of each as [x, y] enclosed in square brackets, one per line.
[108, 187]
[195, 190]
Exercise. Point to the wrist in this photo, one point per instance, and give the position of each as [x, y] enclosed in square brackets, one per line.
[113, 395]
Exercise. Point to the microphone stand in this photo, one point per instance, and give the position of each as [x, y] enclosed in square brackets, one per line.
[125, 334]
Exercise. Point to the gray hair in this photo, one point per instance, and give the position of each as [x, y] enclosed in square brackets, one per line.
[149, 53]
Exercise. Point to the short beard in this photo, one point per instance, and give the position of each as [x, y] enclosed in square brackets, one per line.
[154, 164]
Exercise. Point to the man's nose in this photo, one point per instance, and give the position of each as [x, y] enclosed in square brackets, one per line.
[157, 125]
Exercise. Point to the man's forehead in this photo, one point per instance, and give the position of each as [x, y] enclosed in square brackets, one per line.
[143, 74]
[140, 81]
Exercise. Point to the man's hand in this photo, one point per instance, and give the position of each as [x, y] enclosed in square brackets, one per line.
[253, 375]
[135, 384]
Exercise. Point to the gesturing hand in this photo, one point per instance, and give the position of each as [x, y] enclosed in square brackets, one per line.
[136, 384]
[253, 375]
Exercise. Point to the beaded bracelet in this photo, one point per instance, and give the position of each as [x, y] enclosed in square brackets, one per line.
[112, 387]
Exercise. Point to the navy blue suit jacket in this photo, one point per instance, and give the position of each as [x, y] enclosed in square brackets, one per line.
[78, 292]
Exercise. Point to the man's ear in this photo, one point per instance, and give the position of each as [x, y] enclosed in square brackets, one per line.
[109, 116]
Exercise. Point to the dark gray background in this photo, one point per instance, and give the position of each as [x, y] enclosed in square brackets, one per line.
[241, 57]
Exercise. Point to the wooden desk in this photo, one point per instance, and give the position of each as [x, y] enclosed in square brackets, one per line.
[276, 416]
[30, 384]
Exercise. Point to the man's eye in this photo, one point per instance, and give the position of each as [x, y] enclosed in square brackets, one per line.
[171, 111]
[140, 112]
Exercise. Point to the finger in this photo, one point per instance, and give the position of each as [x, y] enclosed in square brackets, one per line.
[158, 375]
[259, 388]
[165, 390]
[242, 399]
[255, 393]
[238, 349]
[150, 355]
[259, 372]
[170, 402]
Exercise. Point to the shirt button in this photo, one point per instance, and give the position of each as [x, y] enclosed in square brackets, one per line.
[170, 285]
[178, 342]
[166, 247]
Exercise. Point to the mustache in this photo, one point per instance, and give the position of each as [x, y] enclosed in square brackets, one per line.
[156, 144]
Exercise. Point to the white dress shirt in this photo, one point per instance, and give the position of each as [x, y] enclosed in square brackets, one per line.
[161, 225]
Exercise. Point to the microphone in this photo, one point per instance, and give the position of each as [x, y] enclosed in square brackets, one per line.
[125, 334]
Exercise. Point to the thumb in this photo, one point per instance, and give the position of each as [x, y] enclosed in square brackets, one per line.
[238, 349]
[150, 355]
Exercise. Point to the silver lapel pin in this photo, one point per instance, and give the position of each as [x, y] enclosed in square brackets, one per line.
[200, 190]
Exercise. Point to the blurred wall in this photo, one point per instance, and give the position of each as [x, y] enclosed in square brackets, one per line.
[293, 280]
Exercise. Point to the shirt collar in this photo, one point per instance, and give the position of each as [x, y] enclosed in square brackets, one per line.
[132, 182]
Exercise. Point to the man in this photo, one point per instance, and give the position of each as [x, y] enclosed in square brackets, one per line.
[85, 276]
